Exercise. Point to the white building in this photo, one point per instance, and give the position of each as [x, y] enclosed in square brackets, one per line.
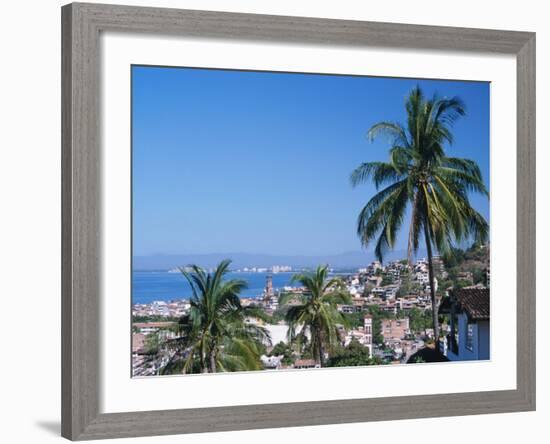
[278, 333]
[391, 291]
[271, 362]
[367, 326]
[423, 277]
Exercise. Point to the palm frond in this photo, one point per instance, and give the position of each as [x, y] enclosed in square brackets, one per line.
[394, 131]
[380, 172]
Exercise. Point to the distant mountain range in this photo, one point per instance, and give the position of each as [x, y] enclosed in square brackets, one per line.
[351, 259]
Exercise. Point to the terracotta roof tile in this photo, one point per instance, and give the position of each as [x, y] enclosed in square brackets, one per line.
[304, 363]
[474, 301]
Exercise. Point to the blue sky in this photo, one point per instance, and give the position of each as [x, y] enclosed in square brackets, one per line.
[253, 162]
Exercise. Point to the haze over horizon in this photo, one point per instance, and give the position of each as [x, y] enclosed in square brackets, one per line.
[350, 259]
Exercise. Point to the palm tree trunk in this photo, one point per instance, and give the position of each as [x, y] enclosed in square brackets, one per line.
[432, 286]
[213, 362]
[410, 244]
[204, 365]
[320, 347]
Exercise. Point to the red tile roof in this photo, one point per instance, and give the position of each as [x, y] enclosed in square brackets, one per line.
[162, 324]
[474, 301]
[304, 363]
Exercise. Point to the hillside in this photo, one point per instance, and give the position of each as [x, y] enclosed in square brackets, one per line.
[467, 267]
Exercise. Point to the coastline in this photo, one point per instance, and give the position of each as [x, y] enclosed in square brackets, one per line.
[166, 286]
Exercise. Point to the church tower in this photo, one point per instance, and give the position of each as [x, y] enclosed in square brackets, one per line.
[268, 291]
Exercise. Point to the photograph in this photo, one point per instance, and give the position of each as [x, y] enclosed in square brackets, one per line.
[289, 221]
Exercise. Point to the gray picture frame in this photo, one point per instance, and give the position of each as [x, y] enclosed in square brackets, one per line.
[81, 231]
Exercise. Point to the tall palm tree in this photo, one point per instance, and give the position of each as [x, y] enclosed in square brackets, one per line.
[216, 335]
[421, 177]
[316, 311]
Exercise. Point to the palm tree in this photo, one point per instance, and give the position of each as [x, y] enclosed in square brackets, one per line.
[419, 176]
[216, 335]
[316, 312]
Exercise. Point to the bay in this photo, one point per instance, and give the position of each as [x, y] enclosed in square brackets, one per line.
[149, 286]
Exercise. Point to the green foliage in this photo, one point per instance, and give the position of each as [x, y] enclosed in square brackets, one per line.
[277, 316]
[478, 276]
[353, 355]
[387, 279]
[354, 320]
[377, 316]
[175, 367]
[474, 259]
[419, 320]
[152, 343]
[453, 257]
[282, 349]
[215, 335]
[317, 311]
[443, 285]
[421, 177]
[408, 287]
[461, 283]
[261, 347]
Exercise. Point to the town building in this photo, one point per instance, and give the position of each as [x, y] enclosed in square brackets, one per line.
[469, 313]
[375, 281]
[271, 362]
[138, 343]
[305, 363]
[395, 329]
[367, 326]
[154, 327]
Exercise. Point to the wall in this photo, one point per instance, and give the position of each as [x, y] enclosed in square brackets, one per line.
[479, 339]
[484, 342]
[30, 216]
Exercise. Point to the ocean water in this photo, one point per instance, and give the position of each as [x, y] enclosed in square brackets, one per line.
[149, 286]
